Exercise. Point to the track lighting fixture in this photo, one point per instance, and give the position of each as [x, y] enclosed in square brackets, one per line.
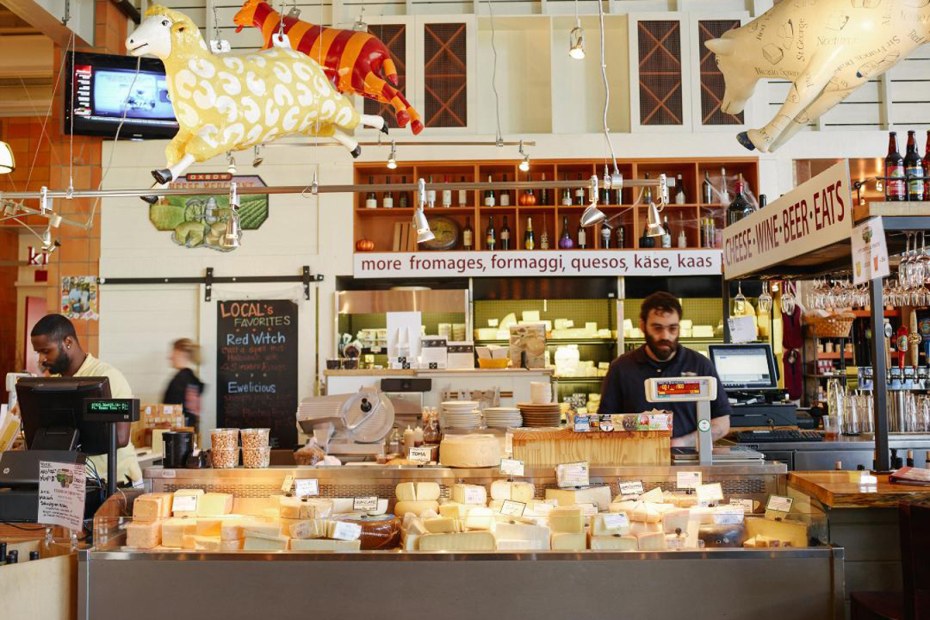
[257, 159]
[392, 158]
[576, 38]
[230, 163]
[525, 164]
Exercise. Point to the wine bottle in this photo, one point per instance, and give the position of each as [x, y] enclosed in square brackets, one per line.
[666, 234]
[647, 192]
[489, 200]
[544, 192]
[387, 201]
[446, 195]
[682, 237]
[490, 238]
[431, 194]
[463, 196]
[566, 198]
[371, 200]
[579, 191]
[505, 235]
[605, 238]
[708, 189]
[565, 240]
[529, 238]
[724, 194]
[468, 235]
[505, 194]
[646, 241]
[740, 207]
[544, 235]
[621, 240]
[895, 188]
[603, 194]
[914, 167]
[927, 168]
[402, 199]
[680, 197]
[582, 237]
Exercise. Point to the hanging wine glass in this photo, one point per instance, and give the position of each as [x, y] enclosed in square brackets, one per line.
[739, 302]
[765, 299]
[788, 302]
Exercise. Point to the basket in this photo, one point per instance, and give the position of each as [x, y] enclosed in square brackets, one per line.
[836, 326]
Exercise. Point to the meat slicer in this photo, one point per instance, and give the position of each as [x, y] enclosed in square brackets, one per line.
[348, 424]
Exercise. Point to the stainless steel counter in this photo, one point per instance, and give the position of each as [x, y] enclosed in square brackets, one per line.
[851, 451]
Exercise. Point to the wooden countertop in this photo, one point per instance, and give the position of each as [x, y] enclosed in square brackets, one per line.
[841, 489]
[411, 372]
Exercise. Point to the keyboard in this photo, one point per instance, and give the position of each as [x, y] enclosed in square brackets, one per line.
[778, 436]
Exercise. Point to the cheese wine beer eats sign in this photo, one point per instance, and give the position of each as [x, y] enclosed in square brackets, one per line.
[257, 345]
[811, 216]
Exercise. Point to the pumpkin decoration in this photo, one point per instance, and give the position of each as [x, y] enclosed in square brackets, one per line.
[527, 198]
[364, 245]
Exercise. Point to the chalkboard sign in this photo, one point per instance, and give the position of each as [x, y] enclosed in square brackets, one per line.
[256, 358]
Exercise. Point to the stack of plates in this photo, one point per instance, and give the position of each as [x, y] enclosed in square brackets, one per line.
[503, 417]
[540, 415]
[462, 414]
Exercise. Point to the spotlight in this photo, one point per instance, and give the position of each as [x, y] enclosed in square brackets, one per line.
[230, 163]
[392, 158]
[232, 235]
[54, 220]
[576, 42]
[592, 215]
[525, 164]
[43, 201]
[419, 216]
[257, 158]
[654, 227]
[48, 244]
[7, 161]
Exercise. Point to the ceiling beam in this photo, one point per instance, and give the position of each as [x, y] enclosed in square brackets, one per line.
[37, 15]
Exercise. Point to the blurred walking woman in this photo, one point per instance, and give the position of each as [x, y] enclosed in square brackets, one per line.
[185, 388]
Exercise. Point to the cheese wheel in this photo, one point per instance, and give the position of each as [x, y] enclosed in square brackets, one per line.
[378, 533]
[517, 491]
[470, 494]
[428, 491]
[417, 508]
[470, 451]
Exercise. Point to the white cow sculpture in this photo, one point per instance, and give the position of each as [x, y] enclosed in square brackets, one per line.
[229, 103]
[827, 48]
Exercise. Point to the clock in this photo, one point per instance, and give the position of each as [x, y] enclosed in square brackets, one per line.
[446, 233]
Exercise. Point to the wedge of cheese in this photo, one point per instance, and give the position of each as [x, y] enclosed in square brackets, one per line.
[460, 541]
[318, 544]
[416, 507]
[231, 529]
[406, 492]
[309, 528]
[174, 530]
[231, 545]
[209, 527]
[143, 534]
[470, 494]
[614, 543]
[567, 519]
[214, 504]
[276, 543]
[260, 529]
[207, 543]
[517, 491]
[479, 518]
[600, 496]
[610, 525]
[564, 541]
[454, 510]
[151, 507]
[676, 520]
[519, 536]
[645, 512]
[440, 525]
[788, 533]
[651, 541]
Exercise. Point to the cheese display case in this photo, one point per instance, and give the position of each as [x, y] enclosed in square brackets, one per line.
[504, 545]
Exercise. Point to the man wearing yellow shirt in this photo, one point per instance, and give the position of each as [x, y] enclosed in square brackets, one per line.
[60, 353]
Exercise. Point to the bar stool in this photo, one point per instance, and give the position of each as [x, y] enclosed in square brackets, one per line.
[914, 602]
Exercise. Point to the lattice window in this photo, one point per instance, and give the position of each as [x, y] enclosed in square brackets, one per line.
[712, 83]
[445, 75]
[660, 100]
[394, 37]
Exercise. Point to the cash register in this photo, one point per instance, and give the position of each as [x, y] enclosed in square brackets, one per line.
[748, 375]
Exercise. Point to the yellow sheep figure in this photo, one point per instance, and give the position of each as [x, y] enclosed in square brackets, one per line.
[230, 103]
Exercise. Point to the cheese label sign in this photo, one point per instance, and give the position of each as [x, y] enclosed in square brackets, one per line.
[305, 487]
[475, 495]
[365, 504]
[709, 493]
[184, 503]
[512, 467]
[688, 479]
[573, 474]
[287, 484]
[616, 520]
[631, 487]
[513, 508]
[420, 455]
[347, 531]
[811, 216]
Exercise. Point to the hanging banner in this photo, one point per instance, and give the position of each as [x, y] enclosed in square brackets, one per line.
[811, 216]
[869, 251]
[517, 263]
[256, 359]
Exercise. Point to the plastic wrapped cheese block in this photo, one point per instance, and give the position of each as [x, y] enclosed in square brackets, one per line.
[377, 533]
[214, 504]
[277, 543]
[440, 525]
[208, 527]
[610, 525]
[564, 541]
[470, 451]
[626, 505]
[304, 507]
[318, 544]
[182, 507]
[454, 510]
[143, 534]
[569, 519]
[231, 529]
[231, 545]
[676, 520]
[614, 543]
[479, 518]
[474, 494]
[310, 528]
[518, 536]
[259, 529]
[517, 491]
[788, 533]
[151, 507]
[723, 535]
[600, 496]
[639, 527]
[207, 543]
[417, 508]
[174, 530]
[646, 513]
[651, 541]
[460, 541]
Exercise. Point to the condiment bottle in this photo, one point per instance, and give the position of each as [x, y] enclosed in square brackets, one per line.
[418, 436]
[408, 439]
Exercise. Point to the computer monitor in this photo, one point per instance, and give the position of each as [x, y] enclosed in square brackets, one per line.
[744, 366]
[52, 409]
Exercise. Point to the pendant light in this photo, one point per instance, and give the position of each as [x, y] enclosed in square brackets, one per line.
[7, 161]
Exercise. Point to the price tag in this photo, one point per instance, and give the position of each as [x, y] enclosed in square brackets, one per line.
[512, 467]
[744, 503]
[365, 504]
[779, 503]
[184, 503]
[475, 495]
[508, 444]
[287, 484]
[582, 425]
[616, 520]
[347, 531]
[305, 487]
[588, 510]
[632, 487]
[513, 508]
[729, 515]
[420, 455]
[709, 493]
[689, 479]
[572, 474]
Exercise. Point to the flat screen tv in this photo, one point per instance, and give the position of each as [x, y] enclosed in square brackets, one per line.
[101, 87]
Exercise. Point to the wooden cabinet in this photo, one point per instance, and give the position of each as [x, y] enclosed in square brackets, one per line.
[389, 229]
